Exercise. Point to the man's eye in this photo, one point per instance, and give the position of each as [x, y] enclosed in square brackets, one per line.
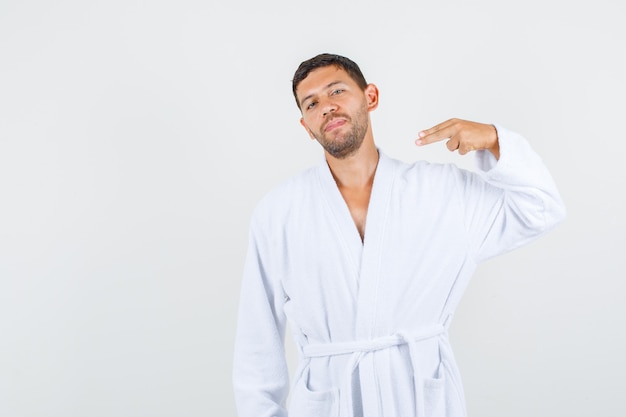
[311, 105]
[338, 91]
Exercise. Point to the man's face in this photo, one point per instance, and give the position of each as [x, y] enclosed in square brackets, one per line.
[334, 110]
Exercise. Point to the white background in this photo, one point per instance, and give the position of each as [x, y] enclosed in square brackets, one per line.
[137, 136]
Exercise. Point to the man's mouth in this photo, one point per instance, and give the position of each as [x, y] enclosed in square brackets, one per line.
[333, 124]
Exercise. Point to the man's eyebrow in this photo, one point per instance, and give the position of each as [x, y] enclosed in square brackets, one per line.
[327, 87]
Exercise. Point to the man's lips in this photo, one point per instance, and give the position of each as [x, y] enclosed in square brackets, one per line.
[333, 124]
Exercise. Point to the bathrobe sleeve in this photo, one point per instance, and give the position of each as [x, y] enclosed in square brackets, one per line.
[260, 373]
[510, 201]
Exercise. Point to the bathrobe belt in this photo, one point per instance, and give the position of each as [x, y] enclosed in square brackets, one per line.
[358, 350]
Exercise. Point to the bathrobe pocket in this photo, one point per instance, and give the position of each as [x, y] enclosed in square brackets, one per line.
[434, 404]
[307, 403]
[441, 394]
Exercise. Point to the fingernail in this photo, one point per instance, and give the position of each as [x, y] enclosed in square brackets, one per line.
[421, 134]
[418, 142]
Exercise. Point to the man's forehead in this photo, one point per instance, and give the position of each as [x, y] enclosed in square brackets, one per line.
[321, 78]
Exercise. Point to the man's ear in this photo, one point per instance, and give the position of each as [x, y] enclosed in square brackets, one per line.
[306, 128]
[371, 92]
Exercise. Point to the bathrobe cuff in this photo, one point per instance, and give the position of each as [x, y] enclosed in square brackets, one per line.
[518, 163]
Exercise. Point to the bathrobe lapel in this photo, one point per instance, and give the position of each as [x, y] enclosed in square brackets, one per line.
[365, 256]
[369, 271]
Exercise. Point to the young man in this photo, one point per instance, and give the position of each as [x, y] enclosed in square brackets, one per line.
[367, 258]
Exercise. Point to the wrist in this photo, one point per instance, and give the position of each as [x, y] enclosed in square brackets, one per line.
[495, 147]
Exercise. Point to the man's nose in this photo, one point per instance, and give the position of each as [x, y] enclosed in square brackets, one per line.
[328, 106]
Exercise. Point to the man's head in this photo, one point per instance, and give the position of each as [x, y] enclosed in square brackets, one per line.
[335, 102]
[326, 60]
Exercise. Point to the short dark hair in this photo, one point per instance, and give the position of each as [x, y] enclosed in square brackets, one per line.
[325, 60]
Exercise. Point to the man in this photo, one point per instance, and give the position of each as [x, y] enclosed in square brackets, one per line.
[367, 258]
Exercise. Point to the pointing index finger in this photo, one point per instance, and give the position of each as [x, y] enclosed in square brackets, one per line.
[435, 134]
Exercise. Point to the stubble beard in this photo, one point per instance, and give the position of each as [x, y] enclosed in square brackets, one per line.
[348, 143]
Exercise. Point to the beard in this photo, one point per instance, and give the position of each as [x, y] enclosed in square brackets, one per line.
[344, 144]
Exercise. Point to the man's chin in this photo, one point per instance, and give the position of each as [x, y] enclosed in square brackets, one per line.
[342, 153]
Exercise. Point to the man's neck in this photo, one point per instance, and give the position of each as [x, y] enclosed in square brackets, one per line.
[355, 171]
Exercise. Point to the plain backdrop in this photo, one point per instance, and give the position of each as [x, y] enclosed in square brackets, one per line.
[137, 136]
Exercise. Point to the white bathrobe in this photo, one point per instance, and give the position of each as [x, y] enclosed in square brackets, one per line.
[370, 318]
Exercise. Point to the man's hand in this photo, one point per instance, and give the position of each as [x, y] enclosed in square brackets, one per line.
[463, 135]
